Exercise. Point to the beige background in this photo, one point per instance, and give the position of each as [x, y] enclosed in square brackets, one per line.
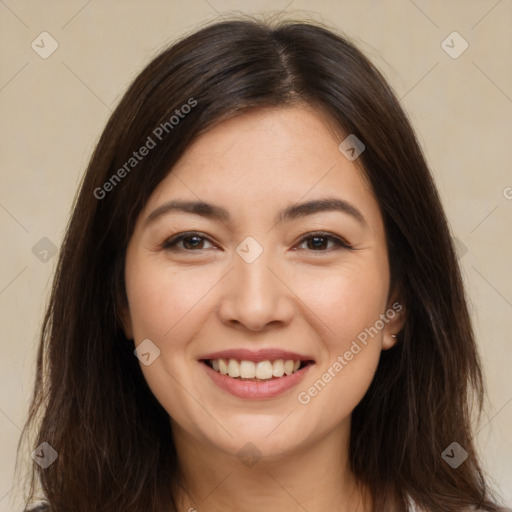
[53, 111]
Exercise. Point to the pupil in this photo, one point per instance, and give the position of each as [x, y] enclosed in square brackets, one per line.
[316, 239]
[187, 241]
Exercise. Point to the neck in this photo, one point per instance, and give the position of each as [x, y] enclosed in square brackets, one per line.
[313, 478]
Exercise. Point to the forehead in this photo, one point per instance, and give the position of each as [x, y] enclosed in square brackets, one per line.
[261, 160]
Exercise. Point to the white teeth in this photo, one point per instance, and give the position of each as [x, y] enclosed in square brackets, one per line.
[223, 367]
[247, 370]
[233, 368]
[263, 370]
[278, 368]
[288, 367]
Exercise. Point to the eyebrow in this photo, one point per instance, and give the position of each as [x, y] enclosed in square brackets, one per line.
[292, 212]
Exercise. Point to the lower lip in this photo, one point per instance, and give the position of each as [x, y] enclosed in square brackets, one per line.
[253, 389]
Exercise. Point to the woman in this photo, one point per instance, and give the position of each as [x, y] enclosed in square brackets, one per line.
[257, 304]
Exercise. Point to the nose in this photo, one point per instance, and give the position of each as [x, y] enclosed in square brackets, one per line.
[255, 295]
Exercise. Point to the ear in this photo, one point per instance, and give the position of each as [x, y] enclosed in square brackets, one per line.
[394, 321]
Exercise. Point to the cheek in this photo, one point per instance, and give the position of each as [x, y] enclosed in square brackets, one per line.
[169, 307]
[346, 302]
[163, 301]
[348, 305]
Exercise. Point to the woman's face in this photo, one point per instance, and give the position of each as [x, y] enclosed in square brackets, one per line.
[284, 265]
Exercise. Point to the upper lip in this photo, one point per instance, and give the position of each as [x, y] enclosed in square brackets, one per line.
[270, 354]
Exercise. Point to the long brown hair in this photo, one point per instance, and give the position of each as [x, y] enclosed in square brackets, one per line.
[91, 402]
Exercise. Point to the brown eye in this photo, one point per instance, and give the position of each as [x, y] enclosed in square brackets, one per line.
[191, 242]
[319, 242]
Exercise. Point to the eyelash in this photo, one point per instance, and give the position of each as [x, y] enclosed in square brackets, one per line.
[339, 243]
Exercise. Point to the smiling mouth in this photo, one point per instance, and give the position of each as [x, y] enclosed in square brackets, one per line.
[261, 371]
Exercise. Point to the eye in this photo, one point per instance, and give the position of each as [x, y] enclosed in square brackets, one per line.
[319, 242]
[190, 241]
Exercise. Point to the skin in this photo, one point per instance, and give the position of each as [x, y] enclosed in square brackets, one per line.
[201, 296]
